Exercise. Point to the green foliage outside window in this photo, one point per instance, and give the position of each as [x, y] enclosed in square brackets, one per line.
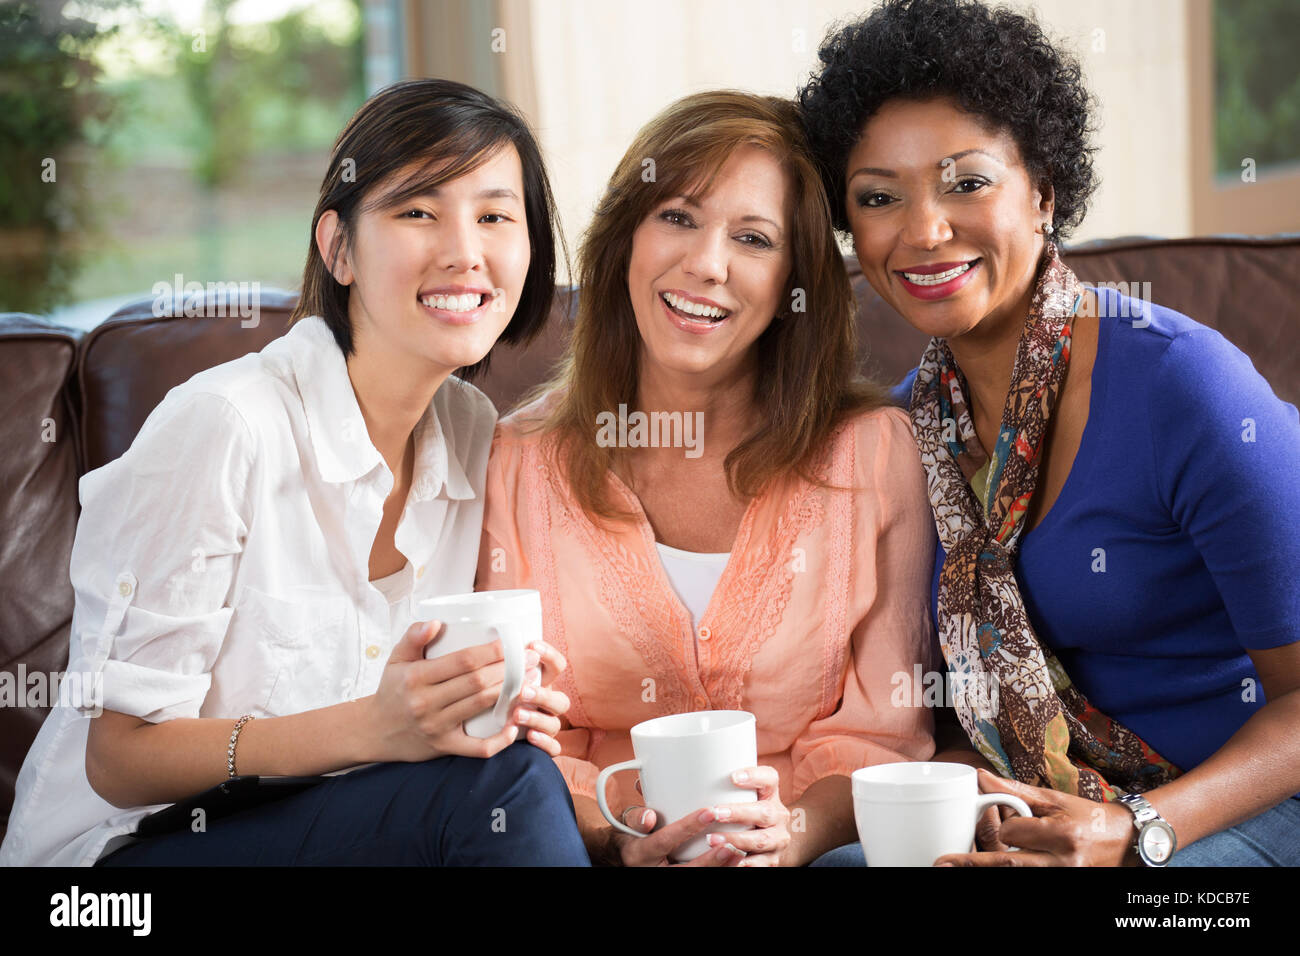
[208, 101]
[1256, 83]
[49, 111]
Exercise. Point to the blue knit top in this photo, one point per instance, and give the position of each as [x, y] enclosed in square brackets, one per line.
[1174, 546]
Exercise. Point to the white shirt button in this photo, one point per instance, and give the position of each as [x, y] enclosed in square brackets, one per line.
[372, 651]
[704, 633]
[419, 572]
[124, 588]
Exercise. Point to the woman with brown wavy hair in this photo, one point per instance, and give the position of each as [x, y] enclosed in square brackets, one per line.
[717, 514]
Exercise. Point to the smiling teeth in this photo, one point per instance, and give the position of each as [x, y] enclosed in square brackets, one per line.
[454, 303]
[694, 308]
[937, 278]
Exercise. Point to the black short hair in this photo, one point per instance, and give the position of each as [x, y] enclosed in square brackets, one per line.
[994, 62]
[447, 129]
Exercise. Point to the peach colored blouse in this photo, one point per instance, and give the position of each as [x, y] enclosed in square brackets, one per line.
[825, 598]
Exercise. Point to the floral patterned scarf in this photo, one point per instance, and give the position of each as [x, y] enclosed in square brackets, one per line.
[1011, 693]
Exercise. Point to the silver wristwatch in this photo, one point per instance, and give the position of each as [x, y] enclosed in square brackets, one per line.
[1156, 841]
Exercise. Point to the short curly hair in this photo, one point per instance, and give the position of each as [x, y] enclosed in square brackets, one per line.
[995, 63]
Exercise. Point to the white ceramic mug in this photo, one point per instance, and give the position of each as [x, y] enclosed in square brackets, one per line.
[685, 762]
[910, 814]
[513, 617]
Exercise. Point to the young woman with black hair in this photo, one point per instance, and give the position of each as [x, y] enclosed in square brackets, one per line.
[246, 573]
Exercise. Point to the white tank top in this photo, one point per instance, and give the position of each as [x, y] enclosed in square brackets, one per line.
[693, 575]
[397, 588]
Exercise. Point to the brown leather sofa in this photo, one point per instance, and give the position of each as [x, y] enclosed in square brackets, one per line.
[70, 403]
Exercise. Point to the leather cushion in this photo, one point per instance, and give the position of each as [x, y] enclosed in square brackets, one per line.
[38, 512]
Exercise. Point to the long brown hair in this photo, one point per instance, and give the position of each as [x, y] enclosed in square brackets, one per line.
[806, 382]
[442, 130]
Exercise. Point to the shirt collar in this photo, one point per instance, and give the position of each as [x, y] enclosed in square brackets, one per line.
[338, 433]
[436, 472]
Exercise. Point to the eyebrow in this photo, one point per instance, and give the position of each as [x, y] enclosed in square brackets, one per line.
[499, 192]
[892, 174]
[688, 201]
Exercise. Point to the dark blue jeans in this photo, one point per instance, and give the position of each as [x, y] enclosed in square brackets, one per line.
[511, 810]
[1270, 839]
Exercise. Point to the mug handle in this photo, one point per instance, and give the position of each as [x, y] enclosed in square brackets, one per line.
[514, 679]
[600, 794]
[986, 800]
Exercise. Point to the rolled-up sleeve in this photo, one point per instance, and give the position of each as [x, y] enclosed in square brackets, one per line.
[893, 638]
[156, 549]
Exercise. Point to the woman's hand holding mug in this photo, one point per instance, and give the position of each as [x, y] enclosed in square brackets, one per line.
[662, 847]
[704, 760]
[541, 706]
[768, 818]
[448, 690]
[761, 845]
[421, 705]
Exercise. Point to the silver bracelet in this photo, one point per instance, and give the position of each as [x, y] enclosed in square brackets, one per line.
[234, 737]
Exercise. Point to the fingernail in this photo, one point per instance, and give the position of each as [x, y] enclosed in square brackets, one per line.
[645, 818]
[532, 659]
[740, 776]
[524, 717]
[716, 839]
[739, 854]
[528, 693]
[706, 816]
[722, 813]
[945, 864]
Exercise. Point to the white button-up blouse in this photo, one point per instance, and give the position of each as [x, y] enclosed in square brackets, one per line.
[221, 565]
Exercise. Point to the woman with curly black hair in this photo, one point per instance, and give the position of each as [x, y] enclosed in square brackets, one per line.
[1113, 484]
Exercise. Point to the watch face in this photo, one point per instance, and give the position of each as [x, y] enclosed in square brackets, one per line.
[1157, 843]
